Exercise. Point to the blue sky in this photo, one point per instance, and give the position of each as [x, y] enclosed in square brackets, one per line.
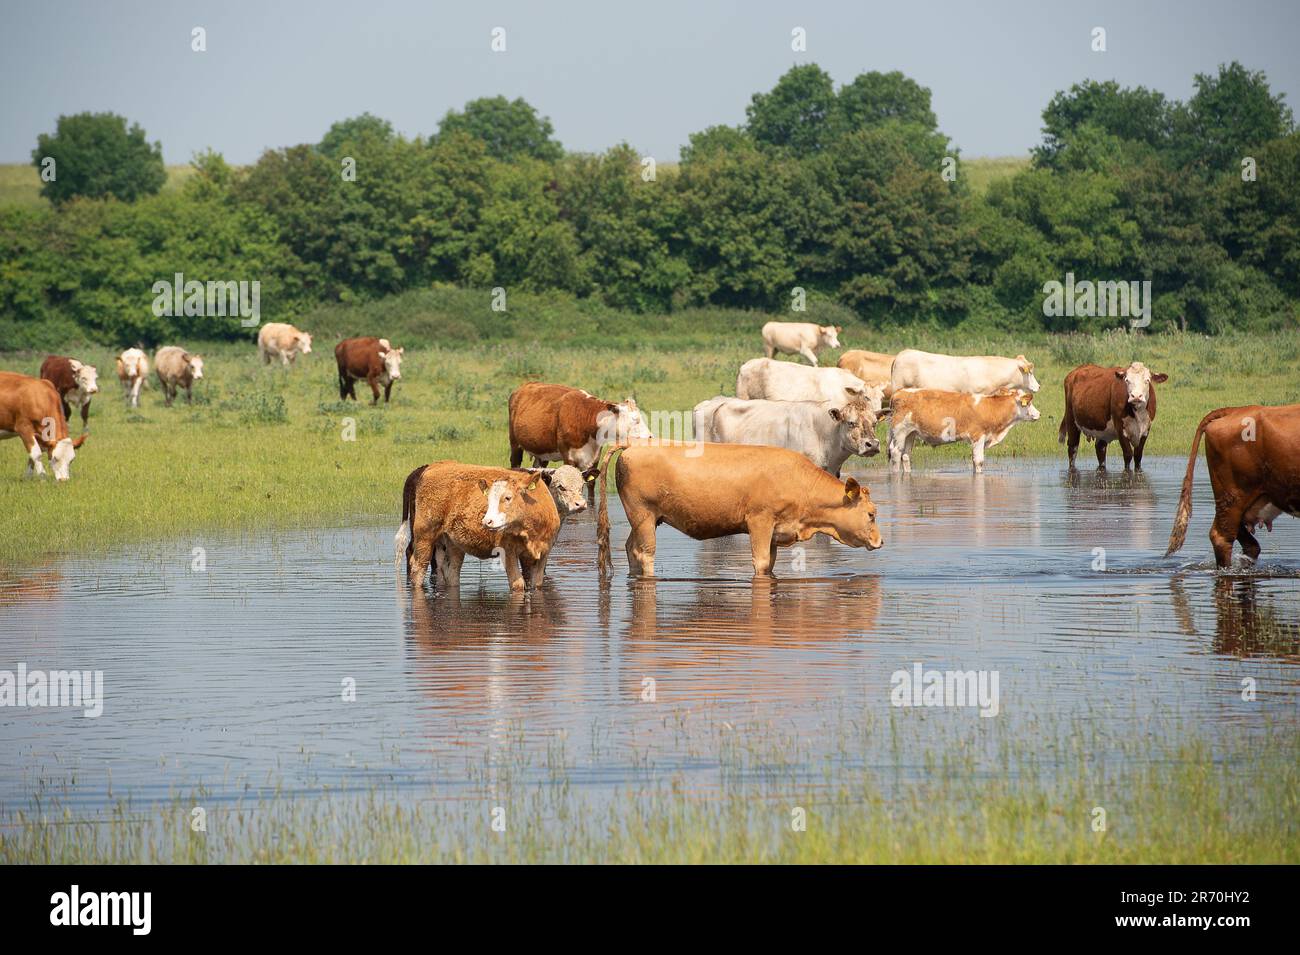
[648, 73]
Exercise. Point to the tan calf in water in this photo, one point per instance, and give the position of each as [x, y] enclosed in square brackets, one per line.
[774, 495]
[1253, 455]
[942, 417]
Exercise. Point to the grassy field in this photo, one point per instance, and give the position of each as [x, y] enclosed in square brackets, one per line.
[980, 171]
[1164, 803]
[20, 183]
[268, 446]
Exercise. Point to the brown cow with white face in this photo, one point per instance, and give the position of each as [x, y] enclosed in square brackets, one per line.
[1253, 456]
[373, 359]
[944, 417]
[31, 410]
[75, 382]
[1110, 404]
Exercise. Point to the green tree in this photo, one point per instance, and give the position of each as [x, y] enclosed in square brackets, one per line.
[96, 155]
[797, 113]
[365, 129]
[509, 128]
[1137, 114]
[874, 98]
[1230, 114]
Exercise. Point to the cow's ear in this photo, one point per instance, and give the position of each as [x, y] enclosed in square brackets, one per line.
[1026, 398]
[74, 364]
[631, 403]
[852, 490]
[544, 475]
[838, 328]
[835, 414]
[1119, 372]
[483, 485]
[1159, 378]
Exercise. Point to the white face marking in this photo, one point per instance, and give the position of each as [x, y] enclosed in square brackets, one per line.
[87, 380]
[1137, 383]
[393, 364]
[61, 459]
[196, 367]
[499, 496]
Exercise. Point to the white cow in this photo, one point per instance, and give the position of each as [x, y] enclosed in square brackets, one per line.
[976, 375]
[786, 381]
[824, 432]
[283, 341]
[132, 369]
[799, 338]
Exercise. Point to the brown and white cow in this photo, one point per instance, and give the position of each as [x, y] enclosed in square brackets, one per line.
[132, 370]
[373, 359]
[1110, 404]
[176, 368]
[450, 509]
[32, 411]
[799, 338]
[75, 382]
[1253, 456]
[283, 341]
[943, 417]
[874, 368]
[559, 423]
[774, 495]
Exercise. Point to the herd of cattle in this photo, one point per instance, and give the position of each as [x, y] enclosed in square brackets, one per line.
[765, 463]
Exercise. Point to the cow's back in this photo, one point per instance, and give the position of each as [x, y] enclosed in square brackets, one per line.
[875, 368]
[24, 398]
[169, 362]
[57, 370]
[358, 357]
[1090, 394]
[534, 412]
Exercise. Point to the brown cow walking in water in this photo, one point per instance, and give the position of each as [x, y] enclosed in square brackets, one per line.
[1110, 404]
[1253, 455]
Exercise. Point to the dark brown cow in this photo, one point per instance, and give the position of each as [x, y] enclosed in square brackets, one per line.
[72, 380]
[1110, 404]
[373, 359]
[1253, 456]
[559, 423]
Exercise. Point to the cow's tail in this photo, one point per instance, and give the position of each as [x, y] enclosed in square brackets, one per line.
[1179, 532]
[78, 442]
[404, 540]
[604, 563]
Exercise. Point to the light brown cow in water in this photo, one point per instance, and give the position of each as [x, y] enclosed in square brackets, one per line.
[774, 495]
[872, 367]
[450, 509]
[32, 411]
[942, 417]
[1253, 456]
[176, 368]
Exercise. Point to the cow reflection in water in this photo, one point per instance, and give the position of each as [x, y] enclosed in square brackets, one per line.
[1245, 624]
[1100, 507]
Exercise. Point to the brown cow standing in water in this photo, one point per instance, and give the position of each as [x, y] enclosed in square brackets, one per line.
[1110, 404]
[1253, 455]
[373, 359]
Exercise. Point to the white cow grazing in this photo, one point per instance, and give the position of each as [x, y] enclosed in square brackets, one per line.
[976, 375]
[799, 338]
[176, 368]
[824, 432]
[283, 341]
[132, 369]
[786, 381]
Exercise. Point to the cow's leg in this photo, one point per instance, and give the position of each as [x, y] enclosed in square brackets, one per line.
[189, 393]
[27, 435]
[1137, 452]
[761, 544]
[641, 545]
[809, 354]
[907, 451]
[1101, 455]
[452, 565]
[516, 455]
[1224, 530]
[421, 557]
[1125, 445]
[1249, 543]
[769, 351]
[343, 387]
[388, 388]
[85, 416]
[977, 455]
[373, 382]
[1072, 435]
[67, 409]
[286, 358]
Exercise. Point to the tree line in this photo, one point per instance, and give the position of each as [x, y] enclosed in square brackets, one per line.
[852, 195]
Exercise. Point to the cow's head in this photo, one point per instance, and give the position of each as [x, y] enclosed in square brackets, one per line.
[1137, 379]
[502, 503]
[86, 376]
[195, 364]
[131, 363]
[625, 421]
[393, 363]
[567, 487]
[830, 335]
[303, 341]
[1025, 410]
[1027, 380]
[61, 456]
[857, 428]
[854, 520]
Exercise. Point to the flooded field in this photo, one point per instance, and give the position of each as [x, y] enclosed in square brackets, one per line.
[229, 670]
